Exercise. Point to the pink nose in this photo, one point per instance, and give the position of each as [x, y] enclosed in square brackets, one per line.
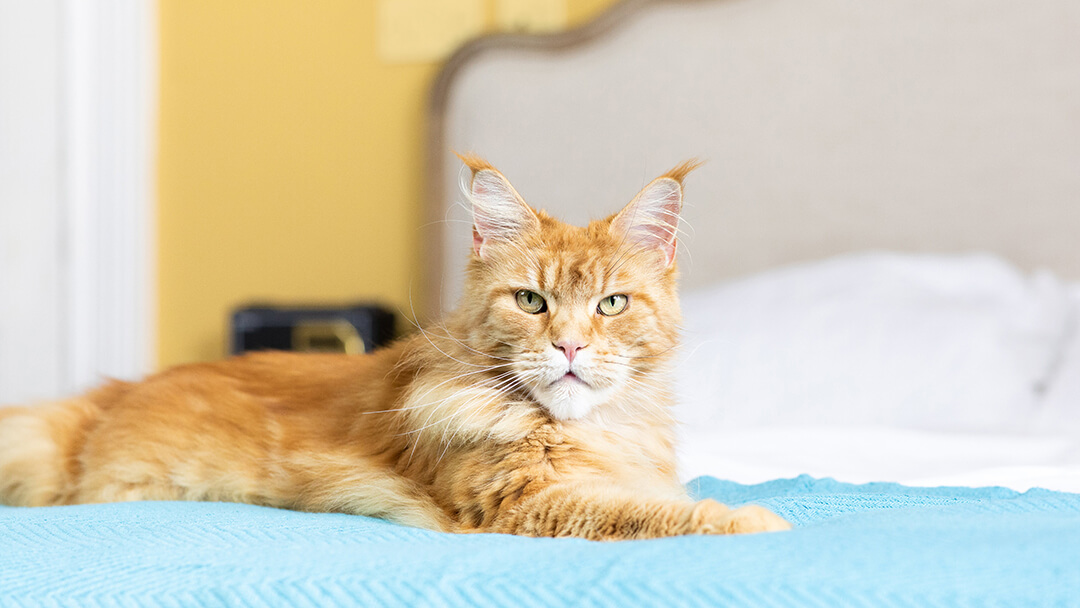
[569, 348]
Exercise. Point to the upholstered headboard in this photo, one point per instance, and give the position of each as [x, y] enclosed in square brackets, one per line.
[827, 126]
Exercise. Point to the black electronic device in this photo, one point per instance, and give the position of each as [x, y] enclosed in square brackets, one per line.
[351, 329]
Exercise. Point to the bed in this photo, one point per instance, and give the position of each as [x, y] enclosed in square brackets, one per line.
[882, 321]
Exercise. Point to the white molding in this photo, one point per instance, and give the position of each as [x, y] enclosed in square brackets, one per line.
[109, 124]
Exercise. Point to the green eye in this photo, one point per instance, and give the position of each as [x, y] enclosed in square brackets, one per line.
[531, 302]
[612, 305]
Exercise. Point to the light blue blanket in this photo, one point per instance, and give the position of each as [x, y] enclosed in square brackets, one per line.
[873, 545]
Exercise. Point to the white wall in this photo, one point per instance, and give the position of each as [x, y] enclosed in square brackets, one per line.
[31, 190]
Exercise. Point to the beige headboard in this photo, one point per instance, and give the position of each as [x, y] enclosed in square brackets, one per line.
[827, 126]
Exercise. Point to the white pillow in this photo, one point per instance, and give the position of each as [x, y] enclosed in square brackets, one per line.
[918, 341]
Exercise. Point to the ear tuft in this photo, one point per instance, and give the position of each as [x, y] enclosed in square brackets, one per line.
[680, 172]
[474, 162]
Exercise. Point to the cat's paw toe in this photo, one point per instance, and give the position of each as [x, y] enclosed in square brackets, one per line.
[710, 517]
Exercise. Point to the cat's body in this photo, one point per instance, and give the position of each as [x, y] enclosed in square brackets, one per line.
[539, 408]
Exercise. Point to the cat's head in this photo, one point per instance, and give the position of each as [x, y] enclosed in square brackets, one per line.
[576, 317]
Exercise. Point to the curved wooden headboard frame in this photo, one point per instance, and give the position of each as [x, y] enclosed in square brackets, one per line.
[434, 202]
[1001, 185]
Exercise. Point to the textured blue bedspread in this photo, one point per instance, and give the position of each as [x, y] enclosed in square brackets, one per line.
[874, 545]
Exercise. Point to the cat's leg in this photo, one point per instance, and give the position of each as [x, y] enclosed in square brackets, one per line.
[351, 487]
[128, 479]
[323, 483]
[614, 514]
[130, 492]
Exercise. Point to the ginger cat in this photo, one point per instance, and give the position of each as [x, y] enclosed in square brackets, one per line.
[540, 407]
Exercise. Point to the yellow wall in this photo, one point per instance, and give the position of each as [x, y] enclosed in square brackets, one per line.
[290, 162]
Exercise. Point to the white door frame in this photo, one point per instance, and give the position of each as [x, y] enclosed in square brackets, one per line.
[78, 98]
[110, 126]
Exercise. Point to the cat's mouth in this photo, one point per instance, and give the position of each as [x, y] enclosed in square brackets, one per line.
[569, 394]
[571, 377]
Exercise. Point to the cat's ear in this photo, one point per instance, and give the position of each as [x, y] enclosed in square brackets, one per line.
[499, 212]
[651, 220]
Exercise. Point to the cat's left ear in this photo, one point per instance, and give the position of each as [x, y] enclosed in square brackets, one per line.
[499, 212]
[652, 219]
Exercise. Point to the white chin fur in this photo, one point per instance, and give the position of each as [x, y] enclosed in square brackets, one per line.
[570, 400]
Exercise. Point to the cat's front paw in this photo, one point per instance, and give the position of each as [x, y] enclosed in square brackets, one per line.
[711, 517]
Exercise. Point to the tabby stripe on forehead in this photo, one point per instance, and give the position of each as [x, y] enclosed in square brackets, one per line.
[599, 280]
[585, 275]
[576, 276]
[542, 279]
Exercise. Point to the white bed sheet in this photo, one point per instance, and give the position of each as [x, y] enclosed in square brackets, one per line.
[862, 455]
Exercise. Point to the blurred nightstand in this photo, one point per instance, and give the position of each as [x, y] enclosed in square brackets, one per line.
[352, 329]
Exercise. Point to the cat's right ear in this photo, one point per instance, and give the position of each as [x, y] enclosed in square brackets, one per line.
[499, 212]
